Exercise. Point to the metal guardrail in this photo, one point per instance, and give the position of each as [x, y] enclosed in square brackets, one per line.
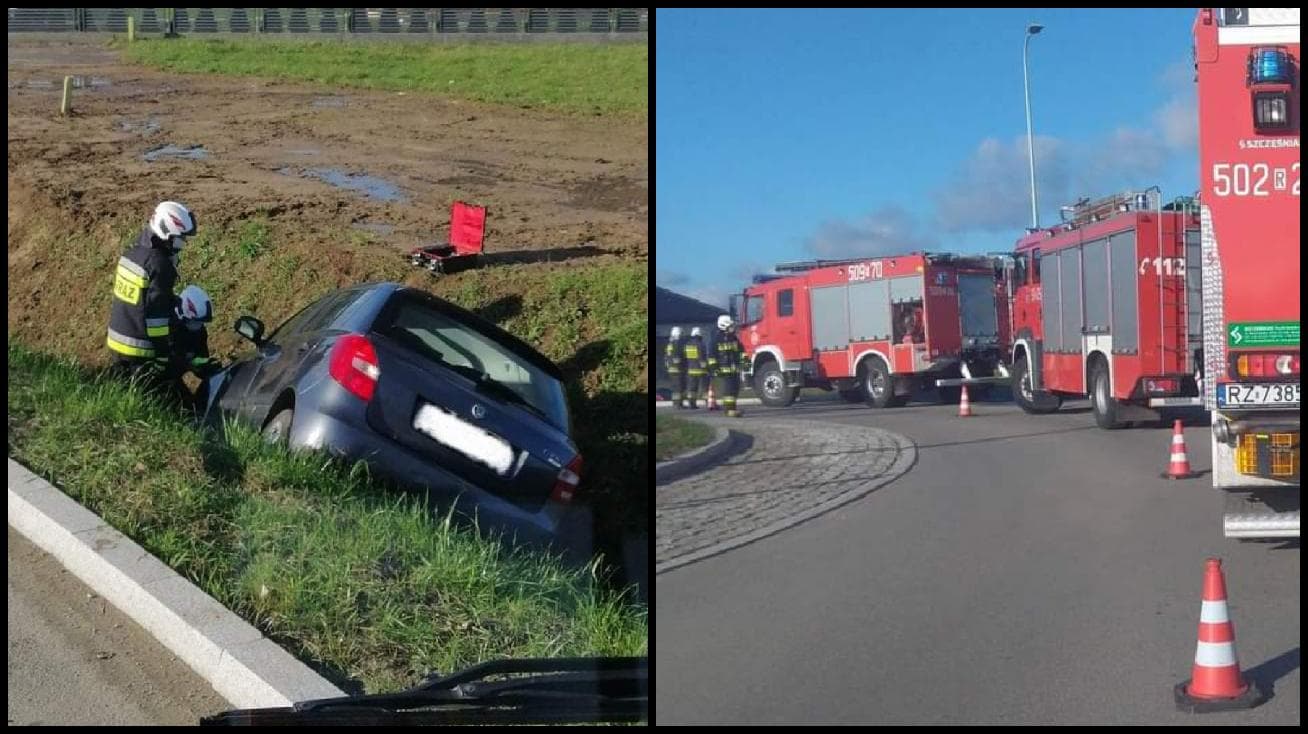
[185, 21]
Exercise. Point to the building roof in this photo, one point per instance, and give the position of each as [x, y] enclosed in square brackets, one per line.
[673, 308]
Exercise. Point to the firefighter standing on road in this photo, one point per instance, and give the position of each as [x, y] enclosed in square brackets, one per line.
[140, 320]
[695, 360]
[724, 364]
[672, 361]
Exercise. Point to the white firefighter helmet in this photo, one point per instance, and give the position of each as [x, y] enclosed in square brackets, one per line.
[695, 331]
[172, 221]
[675, 334]
[194, 308]
[725, 322]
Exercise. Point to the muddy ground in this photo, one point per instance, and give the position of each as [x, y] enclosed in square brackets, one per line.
[387, 162]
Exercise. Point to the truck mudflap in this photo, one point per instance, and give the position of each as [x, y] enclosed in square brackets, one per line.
[1002, 378]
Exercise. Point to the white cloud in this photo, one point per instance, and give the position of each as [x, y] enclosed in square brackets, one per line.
[670, 279]
[991, 190]
[889, 230]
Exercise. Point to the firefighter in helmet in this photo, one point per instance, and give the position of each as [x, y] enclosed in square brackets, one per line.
[140, 320]
[724, 364]
[672, 361]
[695, 360]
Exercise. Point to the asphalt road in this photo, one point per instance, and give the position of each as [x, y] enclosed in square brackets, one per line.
[1027, 569]
[74, 659]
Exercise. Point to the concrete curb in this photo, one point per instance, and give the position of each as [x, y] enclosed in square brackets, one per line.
[242, 665]
[905, 458]
[722, 445]
[741, 401]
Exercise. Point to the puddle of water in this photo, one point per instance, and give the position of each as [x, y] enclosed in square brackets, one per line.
[378, 228]
[193, 153]
[40, 85]
[370, 186]
[329, 101]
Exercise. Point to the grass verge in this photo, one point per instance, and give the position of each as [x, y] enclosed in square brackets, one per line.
[358, 578]
[675, 436]
[579, 78]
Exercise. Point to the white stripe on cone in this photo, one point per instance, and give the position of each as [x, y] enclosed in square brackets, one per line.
[1215, 654]
[1214, 612]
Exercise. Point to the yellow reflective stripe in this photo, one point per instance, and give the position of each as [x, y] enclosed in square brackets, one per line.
[132, 278]
[157, 330]
[128, 349]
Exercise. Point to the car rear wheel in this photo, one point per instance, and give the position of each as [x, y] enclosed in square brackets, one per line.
[278, 430]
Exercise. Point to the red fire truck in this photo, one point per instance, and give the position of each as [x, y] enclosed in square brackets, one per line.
[1108, 304]
[874, 329]
[1247, 69]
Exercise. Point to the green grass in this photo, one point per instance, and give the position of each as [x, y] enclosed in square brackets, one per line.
[675, 436]
[341, 571]
[592, 79]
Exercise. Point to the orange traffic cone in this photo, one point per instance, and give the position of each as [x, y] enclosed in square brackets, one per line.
[1215, 683]
[1179, 466]
[964, 407]
[712, 401]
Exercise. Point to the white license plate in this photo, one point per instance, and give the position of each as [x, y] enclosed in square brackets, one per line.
[1236, 395]
[470, 440]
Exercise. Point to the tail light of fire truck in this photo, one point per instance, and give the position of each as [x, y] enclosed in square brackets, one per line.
[1264, 364]
[1156, 386]
[1269, 80]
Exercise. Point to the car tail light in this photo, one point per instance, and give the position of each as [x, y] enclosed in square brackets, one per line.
[353, 363]
[565, 487]
[1259, 364]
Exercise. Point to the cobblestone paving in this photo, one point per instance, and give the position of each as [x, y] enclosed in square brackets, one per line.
[794, 470]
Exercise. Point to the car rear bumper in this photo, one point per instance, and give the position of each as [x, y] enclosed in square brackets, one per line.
[318, 430]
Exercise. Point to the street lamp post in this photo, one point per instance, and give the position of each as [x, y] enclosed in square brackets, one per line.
[1031, 30]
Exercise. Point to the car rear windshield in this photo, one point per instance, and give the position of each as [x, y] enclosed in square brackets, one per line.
[459, 344]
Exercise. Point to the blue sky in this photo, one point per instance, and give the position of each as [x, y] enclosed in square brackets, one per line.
[786, 135]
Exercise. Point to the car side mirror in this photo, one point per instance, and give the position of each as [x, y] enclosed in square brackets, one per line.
[250, 328]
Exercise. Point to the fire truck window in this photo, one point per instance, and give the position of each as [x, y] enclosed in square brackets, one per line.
[786, 302]
[908, 322]
[1035, 267]
[754, 309]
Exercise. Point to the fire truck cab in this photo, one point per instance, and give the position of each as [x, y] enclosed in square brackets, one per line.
[1108, 304]
[874, 329]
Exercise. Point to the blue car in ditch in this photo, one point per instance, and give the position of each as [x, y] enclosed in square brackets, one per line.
[427, 393]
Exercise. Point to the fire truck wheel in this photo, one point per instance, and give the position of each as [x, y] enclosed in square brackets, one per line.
[770, 385]
[1027, 399]
[1101, 399]
[878, 389]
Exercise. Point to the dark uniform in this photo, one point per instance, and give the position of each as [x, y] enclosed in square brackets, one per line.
[141, 318]
[192, 349]
[724, 364]
[672, 362]
[696, 362]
